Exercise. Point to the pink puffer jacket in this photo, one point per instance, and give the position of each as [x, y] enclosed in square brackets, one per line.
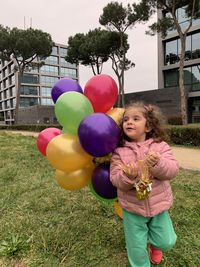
[160, 198]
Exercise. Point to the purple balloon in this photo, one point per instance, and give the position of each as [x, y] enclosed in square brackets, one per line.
[64, 85]
[101, 182]
[98, 134]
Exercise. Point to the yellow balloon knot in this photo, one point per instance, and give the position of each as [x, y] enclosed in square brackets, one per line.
[105, 159]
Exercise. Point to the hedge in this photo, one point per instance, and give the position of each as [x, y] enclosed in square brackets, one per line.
[185, 135]
[181, 135]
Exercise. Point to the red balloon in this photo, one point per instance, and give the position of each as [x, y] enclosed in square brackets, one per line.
[102, 92]
[45, 137]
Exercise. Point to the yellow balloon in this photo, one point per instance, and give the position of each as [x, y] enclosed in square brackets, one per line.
[65, 153]
[116, 114]
[74, 180]
[118, 209]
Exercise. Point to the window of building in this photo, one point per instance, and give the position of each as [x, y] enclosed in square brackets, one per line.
[46, 91]
[63, 51]
[47, 102]
[7, 104]
[196, 78]
[63, 62]
[171, 78]
[173, 49]
[171, 52]
[51, 70]
[30, 78]
[191, 78]
[195, 45]
[29, 90]
[48, 81]
[196, 110]
[188, 48]
[13, 91]
[52, 60]
[55, 50]
[28, 101]
[65, 72]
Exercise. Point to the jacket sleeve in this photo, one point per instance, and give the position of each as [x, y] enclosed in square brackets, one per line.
[167, 167]
[117, 176]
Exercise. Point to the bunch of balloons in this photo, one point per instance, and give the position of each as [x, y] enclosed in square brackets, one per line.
[90, 129]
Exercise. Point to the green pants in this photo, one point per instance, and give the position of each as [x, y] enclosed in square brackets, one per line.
[139, 231]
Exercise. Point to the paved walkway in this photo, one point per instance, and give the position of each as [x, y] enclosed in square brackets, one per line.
[188, 158]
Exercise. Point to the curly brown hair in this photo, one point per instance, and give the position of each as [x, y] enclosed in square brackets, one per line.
[155, 121]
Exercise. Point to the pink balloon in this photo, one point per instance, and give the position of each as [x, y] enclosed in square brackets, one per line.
[45, 137]
[102, 92]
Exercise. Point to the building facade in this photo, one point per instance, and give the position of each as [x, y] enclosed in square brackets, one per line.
[169, 50]
[36, 105]
[167, 96]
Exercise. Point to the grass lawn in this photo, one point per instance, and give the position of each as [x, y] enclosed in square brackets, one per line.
[44, 225]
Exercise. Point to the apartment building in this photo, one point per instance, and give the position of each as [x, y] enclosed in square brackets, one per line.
[167, 96]
[36, 105]
[168, 63]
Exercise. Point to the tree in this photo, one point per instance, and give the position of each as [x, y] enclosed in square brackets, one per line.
[119, 18]
[94, 48]
[88, 49]
[23, 46]
[170, 21]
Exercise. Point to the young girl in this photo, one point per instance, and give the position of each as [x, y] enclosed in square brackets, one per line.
[141, 170]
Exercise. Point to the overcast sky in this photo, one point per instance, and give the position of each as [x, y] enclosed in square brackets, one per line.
[64, 18]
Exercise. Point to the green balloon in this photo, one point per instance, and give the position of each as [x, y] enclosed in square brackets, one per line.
[71, 108]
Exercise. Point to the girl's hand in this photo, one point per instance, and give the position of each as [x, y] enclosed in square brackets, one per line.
[152, 159]
[130, 170]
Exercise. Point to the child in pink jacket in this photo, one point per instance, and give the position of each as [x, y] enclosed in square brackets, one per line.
[141, 169]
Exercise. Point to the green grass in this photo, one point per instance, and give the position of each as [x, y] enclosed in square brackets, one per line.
[44, 225]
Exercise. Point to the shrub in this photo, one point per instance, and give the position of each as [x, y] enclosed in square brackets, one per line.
[174, 120]
[185, 135]
[29, 127]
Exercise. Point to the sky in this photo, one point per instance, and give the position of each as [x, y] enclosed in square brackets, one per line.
[64, 18]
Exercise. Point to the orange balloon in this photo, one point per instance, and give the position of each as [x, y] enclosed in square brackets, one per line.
[65, 153]
[118, 209]
[74, 180]
[116, 114]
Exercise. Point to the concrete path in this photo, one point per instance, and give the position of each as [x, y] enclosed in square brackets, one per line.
[188, 158]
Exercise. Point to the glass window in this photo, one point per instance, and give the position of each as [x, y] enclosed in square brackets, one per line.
[188, 76]
[196, 45]
[171, 78]
[47, 102]
[47, 69]
[63, 51]
[29, 90]
[28, 101]
[48, 81]
[68, 72]
[188, 46]
[46, 91]
[55, 50]
[52, 60]
[195, 22]
[171, 52]
[28, 78]
[63, 62]
[196, 78]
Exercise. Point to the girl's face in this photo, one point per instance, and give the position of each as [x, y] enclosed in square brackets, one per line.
[134, 124]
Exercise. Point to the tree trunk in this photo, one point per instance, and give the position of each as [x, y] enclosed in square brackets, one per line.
[183, 92]
[119, 102]
[16, 114]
